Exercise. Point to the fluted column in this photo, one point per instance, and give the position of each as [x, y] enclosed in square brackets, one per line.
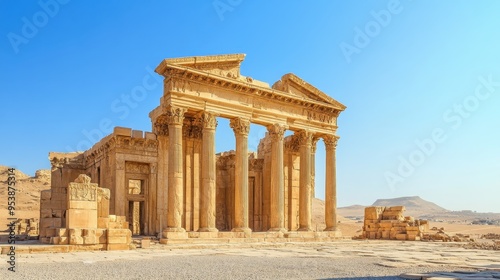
[241, 128]
[305, 200]
[330, 183]
[277, 221]
[175, 118]
[208, 198]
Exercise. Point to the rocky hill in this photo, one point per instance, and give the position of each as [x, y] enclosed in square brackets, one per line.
[423, 209]
[27, 194]
[415, 206]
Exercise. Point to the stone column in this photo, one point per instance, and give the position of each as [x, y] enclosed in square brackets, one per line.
[330, 183]
[305, 200]
[277, 219]
[241, 128]
[161, 130]
[207, 192]
[175, 119]
[315, 140]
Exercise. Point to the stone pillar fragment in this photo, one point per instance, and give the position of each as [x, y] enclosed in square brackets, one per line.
[305, 200]
[330, 183]
[208, 188]
[277, 219]
[241, 128]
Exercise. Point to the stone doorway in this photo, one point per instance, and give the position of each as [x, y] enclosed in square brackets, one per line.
[135, 217]
[136, 206]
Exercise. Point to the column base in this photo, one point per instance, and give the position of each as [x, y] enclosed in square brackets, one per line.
[208, 230]
[174, 233]
[333, 232]
[284, 230]
[208, 233]
[305, 229]
[242, 232]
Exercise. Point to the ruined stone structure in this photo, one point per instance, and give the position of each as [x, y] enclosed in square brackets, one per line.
[85, 223]
[170, 182]
[390, 223]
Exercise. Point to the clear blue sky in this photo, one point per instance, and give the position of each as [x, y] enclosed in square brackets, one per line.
[425, 72]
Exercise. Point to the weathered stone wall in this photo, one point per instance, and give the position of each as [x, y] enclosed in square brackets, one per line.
[390, 223]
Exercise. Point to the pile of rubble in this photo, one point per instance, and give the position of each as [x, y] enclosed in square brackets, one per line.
[390, 223]
[27, 229]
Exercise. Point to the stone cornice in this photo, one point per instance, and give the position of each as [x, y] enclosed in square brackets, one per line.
[246, 87]
[112, 142]
[228, 59]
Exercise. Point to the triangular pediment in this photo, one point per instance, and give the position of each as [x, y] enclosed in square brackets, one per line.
[297, 87]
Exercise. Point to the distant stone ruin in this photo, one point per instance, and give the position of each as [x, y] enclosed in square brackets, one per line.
[390, 223]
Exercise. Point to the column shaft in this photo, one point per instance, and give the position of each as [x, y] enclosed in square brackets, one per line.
[277, 219]
[305, 200]
[208, 196]
[175, 170]
[330, 183]
[241, 129]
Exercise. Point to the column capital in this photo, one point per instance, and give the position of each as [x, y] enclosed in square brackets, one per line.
[160, 126]
[305, 138]
[240, 126]
[175, 115]
[331, 141]
[314, 141]
[208, 120]
[192, 129]
[276, 131]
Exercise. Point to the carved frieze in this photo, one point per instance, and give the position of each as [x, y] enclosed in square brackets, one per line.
[82, 189]
[137, 167]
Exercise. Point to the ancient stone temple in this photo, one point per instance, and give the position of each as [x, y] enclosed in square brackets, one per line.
[170, 182]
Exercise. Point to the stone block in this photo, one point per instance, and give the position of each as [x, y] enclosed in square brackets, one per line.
[113, 247]
[137, 134]
[45, 195]
[112, 218]
[101, 235]
[61, 232]
[77, 218]
[102, 222]
[58, 213]
[121, 219]
[149, 135]
[397, 208]
[45, 213]
[50, 223]
[174, 235]
[75, 237]
[373, 213]
[89, 237]
[145, 243]
[401, 236]
[117, 240]
[124, 131]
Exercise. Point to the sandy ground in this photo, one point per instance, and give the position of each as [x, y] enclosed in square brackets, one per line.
[329, 260]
